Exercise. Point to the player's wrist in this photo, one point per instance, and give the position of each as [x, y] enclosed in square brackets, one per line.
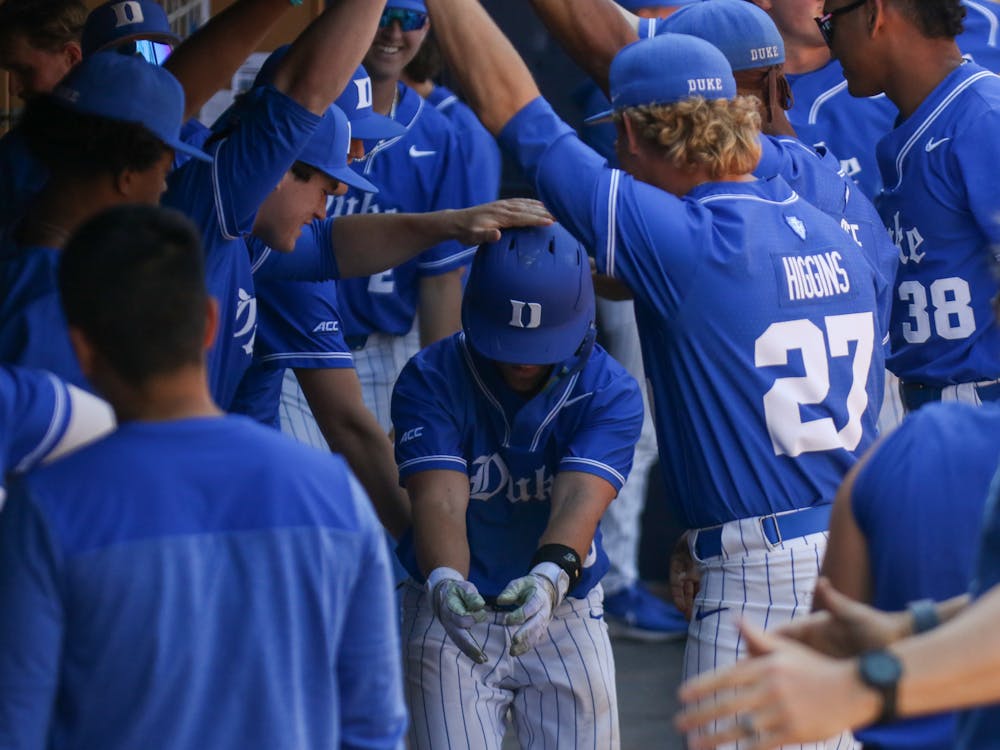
[441, 574]
[556, 577]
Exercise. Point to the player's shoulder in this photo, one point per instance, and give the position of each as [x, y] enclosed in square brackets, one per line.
[604, 371]
[422, 120]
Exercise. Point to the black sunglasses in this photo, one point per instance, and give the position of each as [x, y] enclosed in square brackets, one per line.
[825, 22]
[409, 20]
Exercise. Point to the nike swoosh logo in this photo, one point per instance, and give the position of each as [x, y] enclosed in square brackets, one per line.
[701, 614]
[932, 144]
[417, 153]
[598, 616]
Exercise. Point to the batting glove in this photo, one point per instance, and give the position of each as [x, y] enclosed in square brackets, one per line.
[459, 606]
[536, 596]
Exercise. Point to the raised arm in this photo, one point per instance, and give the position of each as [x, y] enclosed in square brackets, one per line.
[321, 61]
[591, 32]
[206, 61]
[490, 72]
[365, 244]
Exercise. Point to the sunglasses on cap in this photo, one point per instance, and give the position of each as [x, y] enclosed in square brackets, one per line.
[152, 52]
[825, 22]
[409, 20]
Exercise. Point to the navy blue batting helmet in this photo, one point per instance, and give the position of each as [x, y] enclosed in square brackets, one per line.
[530, 298]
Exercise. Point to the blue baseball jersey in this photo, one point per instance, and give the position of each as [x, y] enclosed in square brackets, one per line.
[33, 330]
[452, 410]
[815, 175]
[980, 41]
[421, 170]
[978, 728]
[21, 176]
[941, 208]
[850, 127]
[479, 147]
[919, 502]
[756, 314]
[222, 198]
[299, 326]
[247, 575]
[35, 410]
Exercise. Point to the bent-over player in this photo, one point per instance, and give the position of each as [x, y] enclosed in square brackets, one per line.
[512, 438]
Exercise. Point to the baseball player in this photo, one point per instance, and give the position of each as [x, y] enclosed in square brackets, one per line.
[107, 134]
[422, 170]
[944, 221]
[512, 438]
[44, 418]
[921, 488]
[203, 64]
[246, 574]
[752, 451]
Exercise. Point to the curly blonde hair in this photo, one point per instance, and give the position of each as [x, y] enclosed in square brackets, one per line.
[721, 134]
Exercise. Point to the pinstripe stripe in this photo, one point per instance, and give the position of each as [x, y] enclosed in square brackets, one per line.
[586, 673]
[459, 680]
[770, 595]
[609, 691]
[795, 588]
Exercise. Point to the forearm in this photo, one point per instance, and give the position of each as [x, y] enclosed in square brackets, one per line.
[941, 670]
[351, 430]
[490, 72]
[440, 306]
[322, 60]
[578, 502]
[365, 244]
[591, 31]
[207, 60]
[440, 500]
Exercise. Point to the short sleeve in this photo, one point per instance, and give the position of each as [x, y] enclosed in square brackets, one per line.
[313, 258]
[299, 325]
[35, 407]
[427, 429]
[604, 443]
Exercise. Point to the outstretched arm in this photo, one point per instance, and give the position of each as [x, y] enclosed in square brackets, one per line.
[365, 244]
[322, 60]
[492, 75]
[206, 61]
[591, 32]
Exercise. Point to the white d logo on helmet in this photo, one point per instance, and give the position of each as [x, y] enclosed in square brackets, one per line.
[127, 13]
[364, 92]
[517, 316]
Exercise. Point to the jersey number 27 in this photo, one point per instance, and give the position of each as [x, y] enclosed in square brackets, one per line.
[790, 436]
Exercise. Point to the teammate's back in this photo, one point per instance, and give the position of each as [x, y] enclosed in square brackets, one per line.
[212, 575]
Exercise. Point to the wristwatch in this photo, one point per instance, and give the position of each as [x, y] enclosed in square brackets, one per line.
[881, 670]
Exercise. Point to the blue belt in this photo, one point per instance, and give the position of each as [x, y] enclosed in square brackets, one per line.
[776, 529]
[915, 395]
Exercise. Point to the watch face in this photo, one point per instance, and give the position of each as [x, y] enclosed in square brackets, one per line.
[880, 668]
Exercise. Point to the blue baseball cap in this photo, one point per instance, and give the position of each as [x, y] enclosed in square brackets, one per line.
[744, 33]
[665, 69]
[120, 21]
[634, 5]
[356, 102]
[417, 5]
[327, 150]
[127, 88]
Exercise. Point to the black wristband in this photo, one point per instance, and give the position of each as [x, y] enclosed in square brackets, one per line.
[563, 556]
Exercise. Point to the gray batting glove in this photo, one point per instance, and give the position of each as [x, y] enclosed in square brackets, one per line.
[536, 597]
[458, 605]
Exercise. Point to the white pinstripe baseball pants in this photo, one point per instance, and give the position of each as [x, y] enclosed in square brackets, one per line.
[765, 584]
[561, 694]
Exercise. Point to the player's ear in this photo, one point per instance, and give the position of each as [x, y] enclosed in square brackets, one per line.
[631, 137]
[85, 353]
[211, 323]
[73, 53]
